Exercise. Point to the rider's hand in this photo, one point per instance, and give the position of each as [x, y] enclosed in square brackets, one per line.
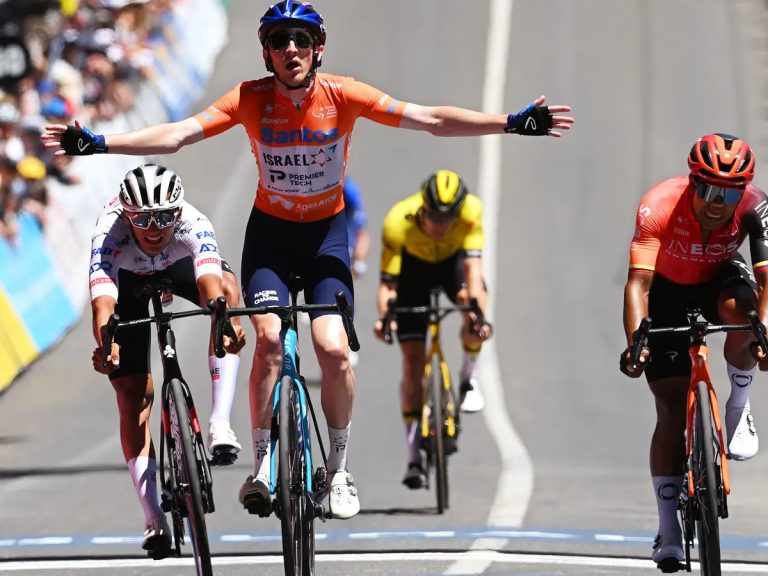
[535, 119]
[231, 345]
[378, 330]
[625, 362]
[75, 140]
[113, 360]
[759, 355]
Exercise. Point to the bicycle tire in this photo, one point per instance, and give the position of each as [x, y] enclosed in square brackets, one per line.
[706, 478]
[291, 481]
[189, 477]
[437, 426]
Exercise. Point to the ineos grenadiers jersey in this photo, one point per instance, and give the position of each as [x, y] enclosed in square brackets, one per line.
[668, 238]
[301, 153]
[113, 248]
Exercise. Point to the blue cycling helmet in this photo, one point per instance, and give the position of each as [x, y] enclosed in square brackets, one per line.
[291, 13]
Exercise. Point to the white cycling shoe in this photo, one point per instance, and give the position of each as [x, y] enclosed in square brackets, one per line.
[668, 553]
[470, 397]
[222, 445]
[342, 496]
[742, 434]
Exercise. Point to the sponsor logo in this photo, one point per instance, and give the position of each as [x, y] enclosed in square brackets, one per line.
[168, 351]
[274, 120]
[208, 248]
[102, 250]
[204, 261]
[205, 234]
[100, 281]
[681, 231]
[82, 145]
[272, 136]
[530, 123]
[672, 354]
[741, 380]
[96, 266]
[714, 250]
[668, 491]
[644, 211]
[264, 296]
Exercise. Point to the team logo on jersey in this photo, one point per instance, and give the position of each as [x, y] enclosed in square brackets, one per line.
[321, 158]
[305, 135]
[208, 248]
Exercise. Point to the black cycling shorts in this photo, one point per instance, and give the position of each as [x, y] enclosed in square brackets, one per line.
[135, 341]
[414, 284]
[277, 249]
[667, 306]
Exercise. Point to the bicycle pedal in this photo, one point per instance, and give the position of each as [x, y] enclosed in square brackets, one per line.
[223, 456]
[670, 565]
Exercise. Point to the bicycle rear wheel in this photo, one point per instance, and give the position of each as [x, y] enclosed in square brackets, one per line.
[706, 479]
[189, 475]
[292, 485]
[437, 428]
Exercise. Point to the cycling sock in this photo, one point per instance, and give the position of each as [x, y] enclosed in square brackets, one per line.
[468, 365]
[337, 456]
[223, 384]
[667, 489]
[741, 381]
[260, 438]
[144, 475]
[414, 441]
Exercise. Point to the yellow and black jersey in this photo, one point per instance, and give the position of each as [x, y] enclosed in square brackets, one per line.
[402, 235]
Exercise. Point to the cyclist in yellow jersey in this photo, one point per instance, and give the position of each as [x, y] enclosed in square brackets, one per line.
[433, 238]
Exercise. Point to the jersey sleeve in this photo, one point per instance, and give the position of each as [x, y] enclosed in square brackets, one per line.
[103, 273]
[646, 241]
[201, 242]
[756, 223]
[374, 104]
[391, 247]
[223, 114]
[472, 214]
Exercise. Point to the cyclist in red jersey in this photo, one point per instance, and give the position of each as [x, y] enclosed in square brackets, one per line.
[299, 124]
[684, 254]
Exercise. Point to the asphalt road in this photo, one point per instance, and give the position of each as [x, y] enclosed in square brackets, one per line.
[645, 79]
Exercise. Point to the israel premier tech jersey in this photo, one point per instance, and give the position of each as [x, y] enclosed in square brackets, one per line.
[113, 248]
[668, 239]
[301, 150]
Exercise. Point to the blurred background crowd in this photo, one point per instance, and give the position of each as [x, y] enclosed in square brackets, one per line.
[61, 60]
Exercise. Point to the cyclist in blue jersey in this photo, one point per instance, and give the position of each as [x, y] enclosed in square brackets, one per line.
[357, 227]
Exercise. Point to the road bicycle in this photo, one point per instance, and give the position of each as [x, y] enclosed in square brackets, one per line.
[185, 470]
[706, 486]
[300, 487]
[439, 420]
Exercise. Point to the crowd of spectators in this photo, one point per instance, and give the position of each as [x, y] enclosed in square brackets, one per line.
[61, 60]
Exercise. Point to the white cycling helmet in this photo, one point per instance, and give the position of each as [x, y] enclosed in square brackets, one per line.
[151, 187]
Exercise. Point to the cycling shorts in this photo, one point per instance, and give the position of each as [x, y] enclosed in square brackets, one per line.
[667, 306]
[414, 284]
[135, 341]
[277, 249]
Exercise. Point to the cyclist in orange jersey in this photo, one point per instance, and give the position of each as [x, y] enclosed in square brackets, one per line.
[684, 254]
[299, 124]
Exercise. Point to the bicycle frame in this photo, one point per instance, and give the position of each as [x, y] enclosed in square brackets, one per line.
[435, 349]
[699, 353]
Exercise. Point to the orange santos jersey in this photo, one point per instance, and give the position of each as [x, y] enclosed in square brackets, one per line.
[301, 152]
[668, 239]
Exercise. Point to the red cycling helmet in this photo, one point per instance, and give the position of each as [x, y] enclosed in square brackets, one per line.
[722, 160]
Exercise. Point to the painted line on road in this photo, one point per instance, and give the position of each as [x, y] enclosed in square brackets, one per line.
[486, 557]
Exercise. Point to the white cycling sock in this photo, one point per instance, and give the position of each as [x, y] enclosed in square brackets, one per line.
[337, 456]
[223, 384]
[468, 365]
[667, 489]
[144, 475]
[413, 438]
[741, 381]
[260, 438]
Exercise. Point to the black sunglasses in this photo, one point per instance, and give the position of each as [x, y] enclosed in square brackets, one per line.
[722, 194]
[162, 218]
[440, 217]
[301, 38]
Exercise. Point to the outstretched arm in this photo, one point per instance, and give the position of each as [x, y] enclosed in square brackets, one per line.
[156, 139]
[534, 119]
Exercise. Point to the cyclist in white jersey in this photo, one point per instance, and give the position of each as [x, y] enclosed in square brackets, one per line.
[148, 230]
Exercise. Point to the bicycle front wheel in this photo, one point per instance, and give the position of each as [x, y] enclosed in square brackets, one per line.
[292, 485]
[188, 476]
[706, 479]
[437, 432]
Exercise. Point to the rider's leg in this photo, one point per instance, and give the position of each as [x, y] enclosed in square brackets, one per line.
[733, 304]
[667, 459]
[411, 399]
[470, 394]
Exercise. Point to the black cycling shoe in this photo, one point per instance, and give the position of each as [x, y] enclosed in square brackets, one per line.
[670, 565]
[157, 540]
[415, 477]
[254, 496]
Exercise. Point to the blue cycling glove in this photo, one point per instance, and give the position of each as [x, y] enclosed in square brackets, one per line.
[83, 142]
[530, 121]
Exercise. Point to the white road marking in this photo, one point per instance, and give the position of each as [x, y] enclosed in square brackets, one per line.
[479, 556]
[516, 479]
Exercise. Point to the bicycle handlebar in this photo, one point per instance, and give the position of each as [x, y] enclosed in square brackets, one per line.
[284, 312]
[640, 336]
[440, 311]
